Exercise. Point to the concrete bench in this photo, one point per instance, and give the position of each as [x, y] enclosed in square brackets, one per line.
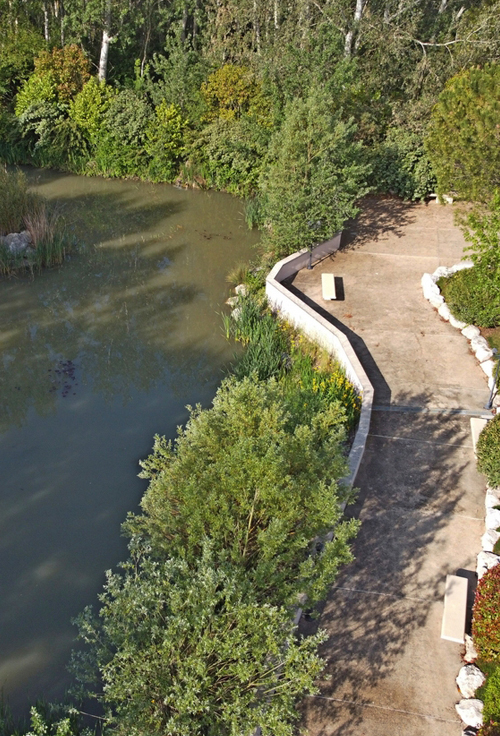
[455, 609]
[328, 286]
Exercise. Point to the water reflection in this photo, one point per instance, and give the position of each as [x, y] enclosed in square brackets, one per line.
[95, 358]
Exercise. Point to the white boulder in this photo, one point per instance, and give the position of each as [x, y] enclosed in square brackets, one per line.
[469, 679]
[489, 539]
[460, 266]
[236, 313]
[17, 242]
[488, 367]
[429, 287]
[471, 331]
[483, 354]
[241, 290]
[458, 324]
[444, 311]
[486, 561]
[232, 301]
[492, 519]
[470, 650]
[479, 342]
[471, 712]
[492, 498]
[440, 272]
[436, 301]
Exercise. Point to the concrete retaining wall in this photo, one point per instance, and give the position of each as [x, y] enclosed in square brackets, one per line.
[317, 328]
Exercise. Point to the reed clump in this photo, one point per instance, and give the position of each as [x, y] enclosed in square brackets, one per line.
[22, 210]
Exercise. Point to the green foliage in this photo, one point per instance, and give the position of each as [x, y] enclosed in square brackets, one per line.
[67, 67]
[188, 651]
[472, 298]
[401, 166]
[36, 90]
[231, 91]
[121, 147]
[490, 695]
[58, 76]
[257, 485]
[165, 142]
[88, 108]
[464, 137]
[314, 175]
[486, 616]
[15, 201]
[482, 229]
[17, 51]
[231, 154]
[488, 451]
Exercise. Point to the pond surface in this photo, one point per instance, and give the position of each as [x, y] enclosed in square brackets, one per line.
[95, 358]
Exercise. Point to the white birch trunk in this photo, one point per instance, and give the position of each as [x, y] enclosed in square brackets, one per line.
[103, 59]
[349, 37]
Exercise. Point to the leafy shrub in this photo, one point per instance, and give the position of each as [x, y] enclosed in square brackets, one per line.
[322, 186]
[59, 75]
[490, 695]
[488, 451]
[486, 616]
[258, 485]
[231, 154]
[472, 297]
[121, 147]
[464, 137]
[231, 91]
[187, 650]
[165, 142]
[401, 166]
[88, 108]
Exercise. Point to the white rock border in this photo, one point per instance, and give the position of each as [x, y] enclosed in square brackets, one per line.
[478, 344]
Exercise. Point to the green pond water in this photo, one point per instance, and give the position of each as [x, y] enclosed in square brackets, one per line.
[95, 358]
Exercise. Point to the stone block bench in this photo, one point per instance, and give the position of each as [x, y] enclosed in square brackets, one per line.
[455, 609]
[328, 286]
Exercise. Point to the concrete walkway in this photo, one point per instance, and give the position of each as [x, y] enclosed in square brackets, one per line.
[421, 500]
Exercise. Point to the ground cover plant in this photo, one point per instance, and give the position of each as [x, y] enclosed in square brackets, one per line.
[488, 451]
[486, 635]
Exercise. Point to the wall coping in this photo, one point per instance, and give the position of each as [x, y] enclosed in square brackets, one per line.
[321, 331]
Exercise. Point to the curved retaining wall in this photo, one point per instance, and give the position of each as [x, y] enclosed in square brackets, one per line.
[317, 328]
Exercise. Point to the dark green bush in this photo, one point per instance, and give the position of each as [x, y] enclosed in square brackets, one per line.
[401, 166]
[472, 297]
[486, 616]
[488, 451]
[121, 147]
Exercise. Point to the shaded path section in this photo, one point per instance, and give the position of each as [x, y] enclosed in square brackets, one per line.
[420, 500]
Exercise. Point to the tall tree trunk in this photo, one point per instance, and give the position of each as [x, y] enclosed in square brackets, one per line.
[106, 40]
[349, 36]
[46, 23]
[256, 25]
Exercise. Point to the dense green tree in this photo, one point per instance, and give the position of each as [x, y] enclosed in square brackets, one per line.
[464, 138]
[188, 651]
[315, 175]
[258, 486]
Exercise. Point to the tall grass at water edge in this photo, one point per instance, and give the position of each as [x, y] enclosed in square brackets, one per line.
[23, 210]
[311, 379]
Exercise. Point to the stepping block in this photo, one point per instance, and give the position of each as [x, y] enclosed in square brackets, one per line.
[328, 286]
[455, 609]
[477, 424]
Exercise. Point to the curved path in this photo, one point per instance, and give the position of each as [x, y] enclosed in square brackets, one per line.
[421, 500]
